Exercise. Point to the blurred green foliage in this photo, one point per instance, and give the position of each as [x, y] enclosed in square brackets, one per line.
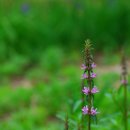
[39, 42]
[36, 33]
[28, 28]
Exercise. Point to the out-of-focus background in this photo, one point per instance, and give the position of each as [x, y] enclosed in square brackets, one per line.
[41, 44]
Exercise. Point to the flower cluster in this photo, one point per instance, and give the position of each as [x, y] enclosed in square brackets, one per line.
[84, 67]
[87, 91]
[93, 111]
[85, 76]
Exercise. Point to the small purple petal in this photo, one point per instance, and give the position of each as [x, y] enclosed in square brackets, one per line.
[83, 67]
[93, 75]
[84, 76]
[94, 90]
[94, 111]
[86, 90]
[93, 65]
[85, 110]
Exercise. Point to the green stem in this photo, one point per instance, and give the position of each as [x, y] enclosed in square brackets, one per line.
[125, 108]
[89, 99]
[117, 103]
[83, 102]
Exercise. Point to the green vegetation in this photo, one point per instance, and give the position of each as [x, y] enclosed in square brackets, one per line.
[36, 107]
[41, 43]
[26, 29]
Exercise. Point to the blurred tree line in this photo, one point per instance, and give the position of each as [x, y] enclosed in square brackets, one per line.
[28, 28]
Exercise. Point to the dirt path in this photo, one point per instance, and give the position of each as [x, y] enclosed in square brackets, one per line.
[22, 81]
[111, 68]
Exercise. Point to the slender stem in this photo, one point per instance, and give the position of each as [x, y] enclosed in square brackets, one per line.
[83, 102]
[89, 80]
[125, 108]
[117, 103]
[89, 98]
[89, 116]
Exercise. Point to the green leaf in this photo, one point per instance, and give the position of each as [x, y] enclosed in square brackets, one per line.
[61, 116]
[77, 105]
[120, 88]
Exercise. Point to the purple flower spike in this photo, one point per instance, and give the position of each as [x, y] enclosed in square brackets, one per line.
[88, 78]
[85, 110]
[93, 75]
[94, 111]
[94, 90]
[93, 65]
[84, 76]
[83, 67]
[86, 90]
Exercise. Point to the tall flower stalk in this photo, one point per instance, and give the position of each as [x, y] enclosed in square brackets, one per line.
[124, 85]
[91, 89]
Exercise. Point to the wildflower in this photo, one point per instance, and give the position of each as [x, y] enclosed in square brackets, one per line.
[88, 75]
[87, 91]
[85, 110]
[94, 90]
[83, 67]
[93, 75]
[93, 65]
[92, 112]
[84, 76]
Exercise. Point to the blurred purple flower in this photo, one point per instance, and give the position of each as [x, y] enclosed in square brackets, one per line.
[85, 110]
[94, 111]
[93, 75]
[25, 7]
[94, 90]
[84, 76]
[93, 65]
[86, 90]
[124, 81]
[83, 67]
